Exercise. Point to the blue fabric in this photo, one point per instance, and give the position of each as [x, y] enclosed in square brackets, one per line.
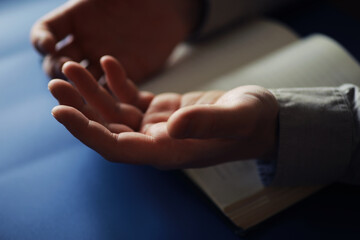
[53, 187]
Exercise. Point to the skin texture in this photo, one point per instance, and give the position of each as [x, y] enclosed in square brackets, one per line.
[169, 130]
[140, 33]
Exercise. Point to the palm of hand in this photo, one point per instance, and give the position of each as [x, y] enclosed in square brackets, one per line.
[176, 131]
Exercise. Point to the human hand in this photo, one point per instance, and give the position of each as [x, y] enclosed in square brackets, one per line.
[169, 130]
[140, 33]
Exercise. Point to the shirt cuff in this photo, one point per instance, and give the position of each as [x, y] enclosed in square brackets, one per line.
[266, 170]
[315, 136]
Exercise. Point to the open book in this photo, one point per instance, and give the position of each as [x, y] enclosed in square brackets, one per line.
[262, 53]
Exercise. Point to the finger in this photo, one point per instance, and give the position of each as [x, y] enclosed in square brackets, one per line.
[93, 93]
[117, 81]
[91, 133]
[52, 28]
[145, 98]
[94, 68]
[42, 39]
[123, 88]
[67, 95]
[210, 121]
[52, 64]
[122, 147]
[161, 108]
[191, 98]
[99, 98]
[118, 128]
[208, 97]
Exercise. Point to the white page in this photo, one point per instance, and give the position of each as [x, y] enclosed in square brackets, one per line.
[312, 62]
[193, 67]
[228, 182]
[315, 61]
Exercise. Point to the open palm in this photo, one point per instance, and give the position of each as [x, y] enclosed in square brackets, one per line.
[168, 130]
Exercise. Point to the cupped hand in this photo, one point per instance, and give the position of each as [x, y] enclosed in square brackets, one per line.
[169, 130]
[140, 33]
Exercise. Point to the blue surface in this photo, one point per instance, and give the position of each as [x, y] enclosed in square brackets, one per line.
[52, 187]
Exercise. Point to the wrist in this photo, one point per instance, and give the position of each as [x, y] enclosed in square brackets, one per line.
[190, 12]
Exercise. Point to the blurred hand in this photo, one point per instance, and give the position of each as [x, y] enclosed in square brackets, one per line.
[140, 33]
[169, 130]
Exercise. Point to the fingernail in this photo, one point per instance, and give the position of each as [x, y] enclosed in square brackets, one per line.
[53, 111]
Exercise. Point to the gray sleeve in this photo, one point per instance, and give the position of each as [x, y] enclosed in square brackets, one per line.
[221, 13]
[318, 136]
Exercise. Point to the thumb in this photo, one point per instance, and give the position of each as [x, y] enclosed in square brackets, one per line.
[210, 121]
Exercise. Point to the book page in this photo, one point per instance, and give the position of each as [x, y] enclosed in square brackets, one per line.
[265, 203]
[314, 61]
[228, 182]
[192, 67]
